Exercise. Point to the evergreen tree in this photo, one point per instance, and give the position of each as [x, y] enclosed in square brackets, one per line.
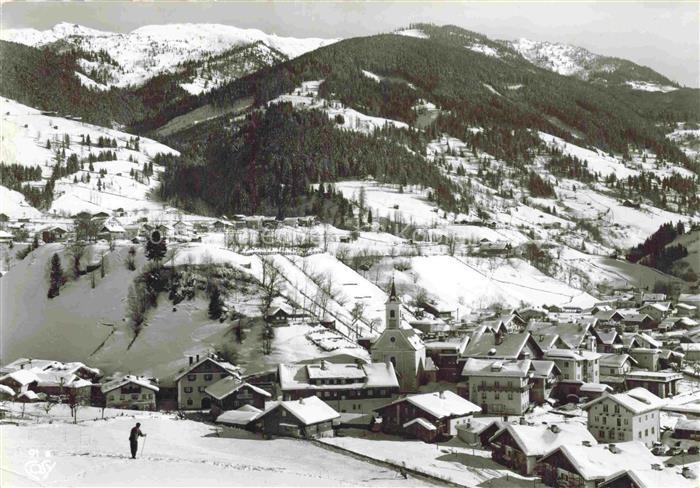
[156, 247]
[215, 303]
[55, 276]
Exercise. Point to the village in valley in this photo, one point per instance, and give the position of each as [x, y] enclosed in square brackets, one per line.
[527, 313]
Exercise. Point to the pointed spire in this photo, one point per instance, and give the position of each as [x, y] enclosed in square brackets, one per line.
[392, 294]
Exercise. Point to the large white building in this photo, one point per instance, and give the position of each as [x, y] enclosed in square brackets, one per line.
[629, 416]
[400, 346]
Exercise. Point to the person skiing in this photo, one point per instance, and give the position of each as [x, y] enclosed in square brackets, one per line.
[134, 439]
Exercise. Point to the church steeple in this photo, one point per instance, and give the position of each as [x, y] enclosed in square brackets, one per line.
[393, 308]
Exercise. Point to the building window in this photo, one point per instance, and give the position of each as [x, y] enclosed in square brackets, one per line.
[392, 339]
[510, 395]
[497, 395]
[188, 389]
[640, 434]
[191, 377]
[189, 401]
[111, 397]
[392, 314]
[200, 389]
[605, 408]
[208, 377]
[617, 408]
[284, 413]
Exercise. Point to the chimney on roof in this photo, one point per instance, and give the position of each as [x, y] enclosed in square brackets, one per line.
[656, 467]
[324, 364]
[301, 401]
[522, 421]
[499, 337]
[613, 448]
[191, 359]
[586, 443]
[554, 428]
[442, 394]
[197, 360]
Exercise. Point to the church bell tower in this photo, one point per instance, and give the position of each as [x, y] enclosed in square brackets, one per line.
[393, 309]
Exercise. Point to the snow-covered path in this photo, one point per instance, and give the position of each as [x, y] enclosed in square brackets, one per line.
[176, 453]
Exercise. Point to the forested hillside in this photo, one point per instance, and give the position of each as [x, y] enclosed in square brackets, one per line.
[269, 164]
[474, 89]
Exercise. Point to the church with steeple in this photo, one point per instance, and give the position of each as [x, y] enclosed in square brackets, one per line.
[400, 345]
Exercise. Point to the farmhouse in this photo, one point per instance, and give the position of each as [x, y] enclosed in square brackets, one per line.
[132, 392]
[230, 393]
[521, 446]
[200, 374]
[306, 418]
[587, 466]
[427, 416]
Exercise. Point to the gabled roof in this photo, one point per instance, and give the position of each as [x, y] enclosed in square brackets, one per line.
[497, 367]
[309, 410]
[231, 384]
[125, 380]
[21, 376]
[636, 400]
[597, 462]
[363, 375]
[616, 360]
[243, 416]
[228, 367]
[650, 478]
[511, 346]
[543, 368]
[537, 440]
[422, 422]
[439, 404]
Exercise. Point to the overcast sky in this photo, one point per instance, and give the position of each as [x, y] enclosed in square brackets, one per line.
[664, 36]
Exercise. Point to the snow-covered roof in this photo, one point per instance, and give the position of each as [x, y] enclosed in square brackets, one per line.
[226, 386]
[615, 360]
[242, 416]
[537, 440]
[636, 400]
[353, 375]
[21, 376]
[125, 380]
[651, 478]
[5, 235]
[29, 395]
[597, 462]
[688, 424]
[595, 387]
[542, 368]
[4, 389]
[226, 366]
[440, 404]
[310, 410]
[422, 422]
[113, 226]
[485, 344]
[497, 367]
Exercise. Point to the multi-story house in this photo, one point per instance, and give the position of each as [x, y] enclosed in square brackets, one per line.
[577, 368]
[445, 355]
[351, 387]
[663, 384]
[192, 383]
[621, 417]
[132, 392]
[498, 386]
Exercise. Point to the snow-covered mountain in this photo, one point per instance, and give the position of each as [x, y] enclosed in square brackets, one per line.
[569, 60]
[118, 59]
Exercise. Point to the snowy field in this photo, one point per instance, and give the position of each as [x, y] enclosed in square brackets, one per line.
[184, 452]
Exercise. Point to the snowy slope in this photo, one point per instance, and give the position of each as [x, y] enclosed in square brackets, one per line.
[25, 133]
[569, 60]
[154, 49]
[183, 452]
